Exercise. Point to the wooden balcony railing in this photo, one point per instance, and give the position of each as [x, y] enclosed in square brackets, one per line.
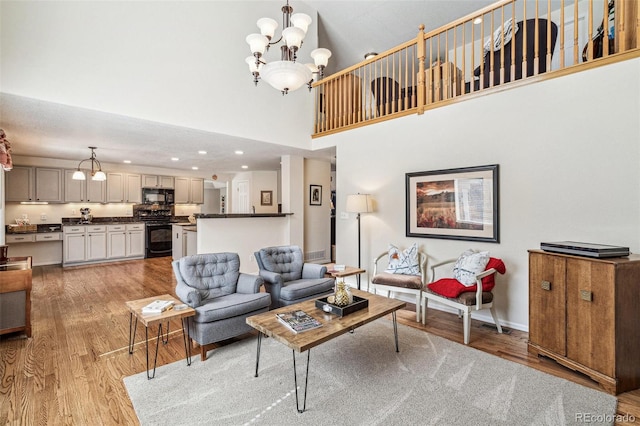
[509, 43]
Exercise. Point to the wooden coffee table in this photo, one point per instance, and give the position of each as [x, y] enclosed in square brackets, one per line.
[135, 311]
[332, 326]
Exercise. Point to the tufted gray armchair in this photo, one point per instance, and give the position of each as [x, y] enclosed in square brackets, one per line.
[222, 296]
[288, 279]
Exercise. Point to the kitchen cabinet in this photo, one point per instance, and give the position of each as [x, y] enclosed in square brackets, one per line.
[34, 184]
[116, 241]
[96, 242]
[178, 243]
[124, 188]
[73, 244]
[583, 314]
[19, 184]
[189, 190]
[81, 191]
[192, 241]
[153, 181]
[135, 243]
[15, 296]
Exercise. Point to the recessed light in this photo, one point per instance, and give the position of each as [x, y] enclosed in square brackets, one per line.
[238, 152]
[127, 161]
[245, 167]
[175, 159]
[202, 152]
[194, 168]
[478, 20]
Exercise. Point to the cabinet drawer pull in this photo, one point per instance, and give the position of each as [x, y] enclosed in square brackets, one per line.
[586, 295]
[545, 285]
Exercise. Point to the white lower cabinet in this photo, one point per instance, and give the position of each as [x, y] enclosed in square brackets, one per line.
[98, 243]
[74, 244]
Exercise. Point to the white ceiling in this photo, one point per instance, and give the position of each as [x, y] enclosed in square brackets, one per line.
[348, 28]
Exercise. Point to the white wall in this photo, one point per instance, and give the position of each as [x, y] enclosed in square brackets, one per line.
[568, 150]
[317, 233]
[162, 61]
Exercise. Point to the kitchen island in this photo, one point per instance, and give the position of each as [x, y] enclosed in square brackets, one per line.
[243, 234]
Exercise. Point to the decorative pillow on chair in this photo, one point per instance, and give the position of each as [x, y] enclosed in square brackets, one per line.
[450, 287]
[469, 264]
[405, 262]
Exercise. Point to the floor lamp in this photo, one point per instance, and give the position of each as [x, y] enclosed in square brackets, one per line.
[359, 203]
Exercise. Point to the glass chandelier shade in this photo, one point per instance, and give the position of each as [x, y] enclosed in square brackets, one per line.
[96, 169]
[286, 74]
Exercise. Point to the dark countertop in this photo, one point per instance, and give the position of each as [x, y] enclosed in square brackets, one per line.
[235, 215]
[42, 228]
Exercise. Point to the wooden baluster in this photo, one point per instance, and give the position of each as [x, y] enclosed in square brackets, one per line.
[561, 34]
[536, 43]
[421, 71]
[502, 45]
[393, 89]
[512, 66]
[455, 62]
[463, 74]
[446, 78]
[482, 65]
[549, 35]
[524, 40]
[491, 59]
[575, 34]
[619, 27]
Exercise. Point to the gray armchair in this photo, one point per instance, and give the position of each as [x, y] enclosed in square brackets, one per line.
[288, 279]
[222, 296]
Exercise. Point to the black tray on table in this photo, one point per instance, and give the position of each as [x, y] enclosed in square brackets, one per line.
[357, 304]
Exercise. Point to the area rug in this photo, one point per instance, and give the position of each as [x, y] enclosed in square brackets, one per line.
[359, 379]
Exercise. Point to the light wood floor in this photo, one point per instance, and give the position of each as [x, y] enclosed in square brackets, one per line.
[70, 372]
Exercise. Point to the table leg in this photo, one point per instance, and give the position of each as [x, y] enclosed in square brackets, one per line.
[258, 352]
[306, 382]
[132, 332]
[395, 329]
[155, 359]
[358, 280]
[187, 339]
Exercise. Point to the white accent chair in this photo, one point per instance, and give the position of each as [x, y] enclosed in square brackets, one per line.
[473, 299]
[399, 283]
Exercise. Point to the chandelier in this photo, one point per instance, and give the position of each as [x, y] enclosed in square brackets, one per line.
[286, 74]
[95, 174]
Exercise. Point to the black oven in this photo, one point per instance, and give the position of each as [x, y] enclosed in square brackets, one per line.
[158, 239]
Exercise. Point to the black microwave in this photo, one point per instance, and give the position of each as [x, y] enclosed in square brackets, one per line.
[157, 196]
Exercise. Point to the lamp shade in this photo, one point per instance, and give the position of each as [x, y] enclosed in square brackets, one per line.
[257, 43]
[301, 20]
[293, 37]
[267, 27]
[99, 176]
[359, 203]
[285, 75]
[78, 175]
[253, 67]
[320, 56]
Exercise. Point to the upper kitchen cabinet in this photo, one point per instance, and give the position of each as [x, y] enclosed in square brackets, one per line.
[153, 181]
[189, 190]
[34, 184]
[83, 191]
[124, 188]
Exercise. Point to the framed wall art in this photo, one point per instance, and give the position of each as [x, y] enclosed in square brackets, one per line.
[315, 195]
[266, 198]
[456, 204]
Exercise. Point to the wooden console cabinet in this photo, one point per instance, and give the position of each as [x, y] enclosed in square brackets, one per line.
[583, 313]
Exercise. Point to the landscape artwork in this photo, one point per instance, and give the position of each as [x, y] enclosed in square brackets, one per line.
[453, 204]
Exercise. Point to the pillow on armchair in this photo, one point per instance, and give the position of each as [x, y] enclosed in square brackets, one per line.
[403, 262]
[451, 287]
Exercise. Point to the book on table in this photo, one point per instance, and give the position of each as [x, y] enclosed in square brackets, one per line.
[157, 307]
[298, 321]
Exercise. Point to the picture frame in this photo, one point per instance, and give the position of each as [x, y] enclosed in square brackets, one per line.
[266, 198]
[315, 195]
[454, 204]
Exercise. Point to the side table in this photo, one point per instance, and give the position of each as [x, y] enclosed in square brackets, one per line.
[135, 310]
[348, 271]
